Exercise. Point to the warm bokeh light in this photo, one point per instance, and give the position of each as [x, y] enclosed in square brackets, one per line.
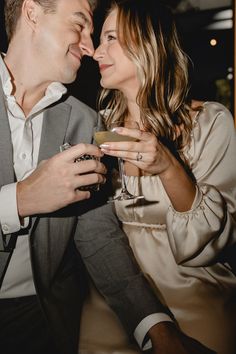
[213, 42]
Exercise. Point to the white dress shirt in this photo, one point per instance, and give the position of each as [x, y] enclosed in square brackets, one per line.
[25, 137]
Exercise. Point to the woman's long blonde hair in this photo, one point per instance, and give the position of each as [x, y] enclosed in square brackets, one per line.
[148, 36]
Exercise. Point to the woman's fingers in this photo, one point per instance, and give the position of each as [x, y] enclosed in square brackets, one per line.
[133, 133]
[123, 146]
[128, 155]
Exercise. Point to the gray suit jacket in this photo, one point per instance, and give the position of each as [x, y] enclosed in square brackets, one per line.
[89, 227]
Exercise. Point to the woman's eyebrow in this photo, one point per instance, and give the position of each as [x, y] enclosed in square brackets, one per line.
[108, 32]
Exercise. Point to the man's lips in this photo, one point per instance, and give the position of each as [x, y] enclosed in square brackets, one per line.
[76, 55]
[103, 67]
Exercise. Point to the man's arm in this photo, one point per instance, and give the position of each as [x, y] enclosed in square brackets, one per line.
[110, 261]
[111, 264]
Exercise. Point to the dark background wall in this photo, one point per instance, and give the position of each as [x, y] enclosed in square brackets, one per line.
[212, 72]
[213, 66]
[3, 40]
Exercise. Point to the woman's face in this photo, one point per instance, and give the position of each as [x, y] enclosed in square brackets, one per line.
[117, 70]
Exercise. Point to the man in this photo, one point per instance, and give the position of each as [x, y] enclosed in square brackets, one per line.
[43, 213]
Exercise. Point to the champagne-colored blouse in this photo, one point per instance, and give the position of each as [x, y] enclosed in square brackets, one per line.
[179, 252]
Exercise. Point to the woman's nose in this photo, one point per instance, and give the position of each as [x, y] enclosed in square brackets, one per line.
[99, 53]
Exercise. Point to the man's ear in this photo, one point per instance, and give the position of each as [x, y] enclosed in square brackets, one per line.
[30, 11]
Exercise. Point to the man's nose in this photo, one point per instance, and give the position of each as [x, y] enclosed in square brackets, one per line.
[87, 47]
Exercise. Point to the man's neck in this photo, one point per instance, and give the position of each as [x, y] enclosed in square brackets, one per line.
[27, 98]
[27, 88]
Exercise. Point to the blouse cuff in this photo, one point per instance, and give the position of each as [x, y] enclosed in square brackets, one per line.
[196, 203]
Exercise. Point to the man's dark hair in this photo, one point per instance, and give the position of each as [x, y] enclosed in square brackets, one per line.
[13, 11]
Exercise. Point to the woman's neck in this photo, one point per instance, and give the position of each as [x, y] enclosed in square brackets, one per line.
[133, 112]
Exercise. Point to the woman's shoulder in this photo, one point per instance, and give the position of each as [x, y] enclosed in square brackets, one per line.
[216, 107]
[196, 105]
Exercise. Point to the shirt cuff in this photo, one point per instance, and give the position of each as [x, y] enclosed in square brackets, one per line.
[144, 326]
[9, 218]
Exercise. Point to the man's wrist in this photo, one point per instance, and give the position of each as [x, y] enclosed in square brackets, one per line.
[141, 331]
[160, 333]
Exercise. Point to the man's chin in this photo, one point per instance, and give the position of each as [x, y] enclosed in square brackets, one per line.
[69, 79]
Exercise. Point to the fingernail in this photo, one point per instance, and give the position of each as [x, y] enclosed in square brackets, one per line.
[104, 146]
[117, 129]
[106, 151]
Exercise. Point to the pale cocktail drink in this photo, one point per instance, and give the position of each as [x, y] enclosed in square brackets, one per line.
[106, 136]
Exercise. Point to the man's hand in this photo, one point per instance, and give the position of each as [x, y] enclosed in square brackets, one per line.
[168, 339]
[54, 184]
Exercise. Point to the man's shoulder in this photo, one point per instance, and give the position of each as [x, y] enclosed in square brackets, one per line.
[77, 111]
[76, 104]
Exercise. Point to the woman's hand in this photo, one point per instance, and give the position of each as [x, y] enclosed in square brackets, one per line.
[152, 157]
[147, 153]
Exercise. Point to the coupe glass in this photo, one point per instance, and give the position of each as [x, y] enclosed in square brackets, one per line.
[111, 136]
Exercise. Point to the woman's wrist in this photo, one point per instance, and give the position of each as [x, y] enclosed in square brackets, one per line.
[179, 187]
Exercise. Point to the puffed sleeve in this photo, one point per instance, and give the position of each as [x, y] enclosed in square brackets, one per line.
[199, 237]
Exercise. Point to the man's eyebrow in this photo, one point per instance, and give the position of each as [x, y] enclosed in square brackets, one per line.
[82, 16]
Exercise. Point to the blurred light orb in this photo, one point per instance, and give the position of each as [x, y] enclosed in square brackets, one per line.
[213, 42]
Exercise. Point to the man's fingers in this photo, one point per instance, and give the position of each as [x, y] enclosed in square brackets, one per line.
[79, 150]
[88, 179]
[87, 166]
[81, 195]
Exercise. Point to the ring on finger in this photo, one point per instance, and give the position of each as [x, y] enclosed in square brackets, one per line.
[139, 156]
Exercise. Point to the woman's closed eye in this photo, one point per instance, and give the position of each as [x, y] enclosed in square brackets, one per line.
[110, 37]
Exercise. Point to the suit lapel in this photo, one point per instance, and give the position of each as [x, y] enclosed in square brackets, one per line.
[6, 151]
[6, 165]
[54, 128]
[55, 122]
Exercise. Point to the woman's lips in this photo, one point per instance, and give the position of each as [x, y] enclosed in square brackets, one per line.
[103, 67]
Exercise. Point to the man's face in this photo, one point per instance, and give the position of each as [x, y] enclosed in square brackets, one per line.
[61, 40]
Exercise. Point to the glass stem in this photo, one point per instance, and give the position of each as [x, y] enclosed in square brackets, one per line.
[122, 174]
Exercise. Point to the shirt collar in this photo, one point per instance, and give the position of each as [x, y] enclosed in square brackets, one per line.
[5, 77]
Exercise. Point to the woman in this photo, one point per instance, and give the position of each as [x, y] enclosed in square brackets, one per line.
[181, 161]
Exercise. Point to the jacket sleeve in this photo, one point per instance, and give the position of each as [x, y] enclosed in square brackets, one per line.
[111, 264]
